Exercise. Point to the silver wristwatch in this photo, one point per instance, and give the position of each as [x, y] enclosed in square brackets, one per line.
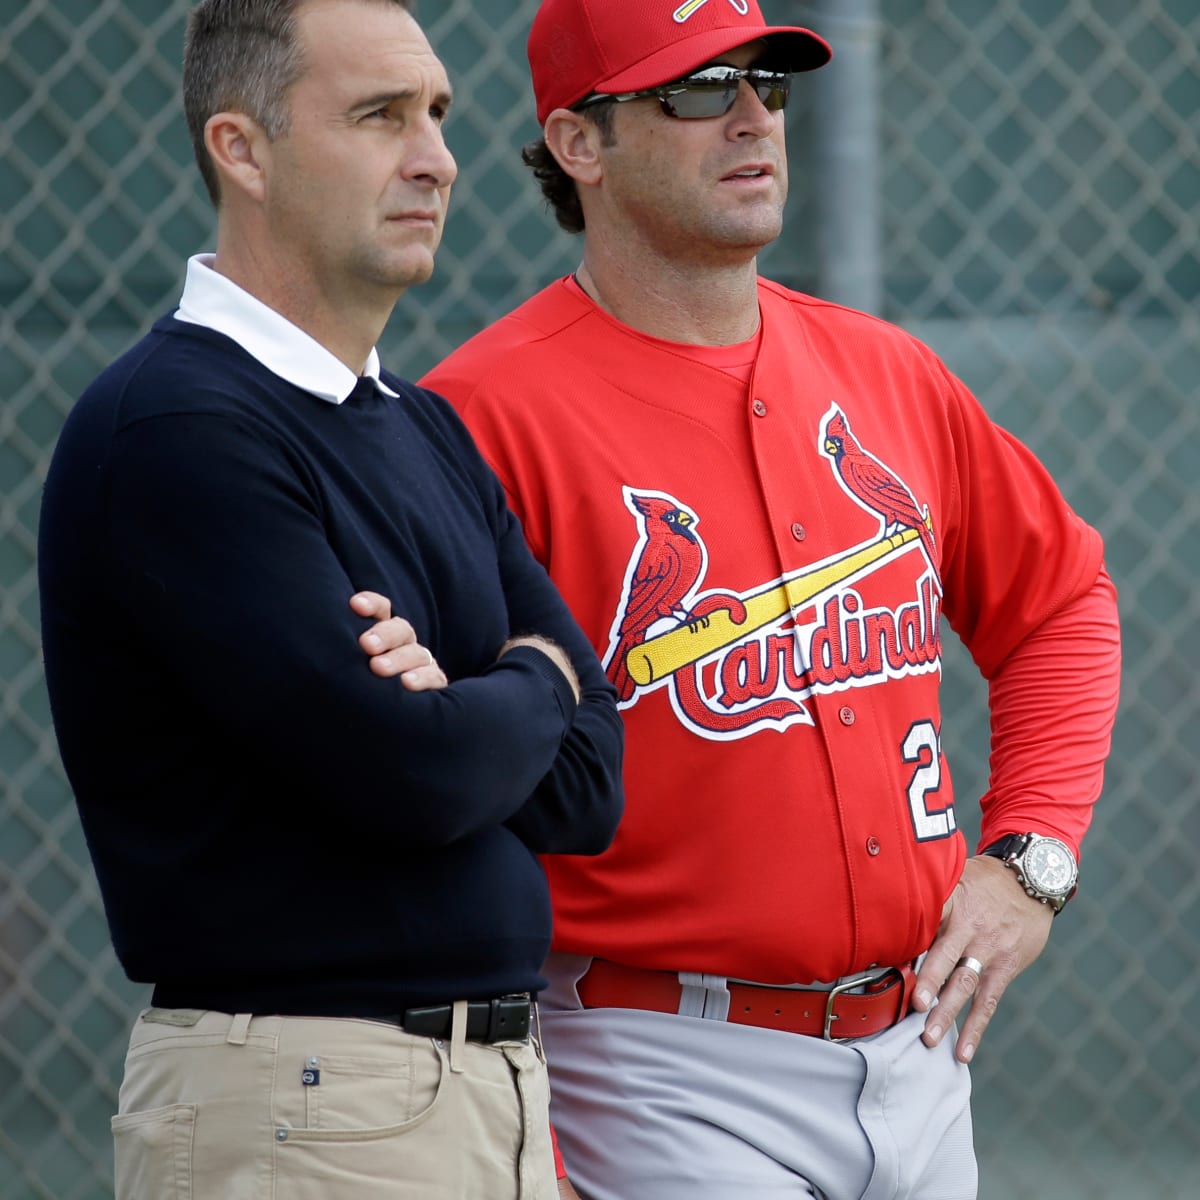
[1045, 866]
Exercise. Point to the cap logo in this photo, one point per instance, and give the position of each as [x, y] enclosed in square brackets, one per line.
[685, 11]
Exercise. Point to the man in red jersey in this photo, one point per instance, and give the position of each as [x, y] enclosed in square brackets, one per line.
[759, 505]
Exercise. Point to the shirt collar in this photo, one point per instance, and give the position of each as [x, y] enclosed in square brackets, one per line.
[216, 302]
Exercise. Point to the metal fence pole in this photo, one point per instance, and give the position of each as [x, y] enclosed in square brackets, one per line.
[846, 154]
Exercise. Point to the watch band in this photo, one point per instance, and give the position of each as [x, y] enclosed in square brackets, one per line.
[1005, 847]
[1011, 850]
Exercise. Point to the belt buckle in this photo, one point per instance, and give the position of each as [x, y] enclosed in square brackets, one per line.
[871, 977]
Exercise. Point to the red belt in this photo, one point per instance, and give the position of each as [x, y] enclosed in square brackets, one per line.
[858, 1007]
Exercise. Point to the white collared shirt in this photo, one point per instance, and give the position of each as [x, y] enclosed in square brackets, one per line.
[216, 302]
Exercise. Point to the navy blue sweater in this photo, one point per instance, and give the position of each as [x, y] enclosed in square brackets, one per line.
[273, 827]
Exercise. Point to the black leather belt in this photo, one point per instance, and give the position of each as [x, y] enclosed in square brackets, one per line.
[504, 1020]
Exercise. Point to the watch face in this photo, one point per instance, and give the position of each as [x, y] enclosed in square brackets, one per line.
[1049, 867]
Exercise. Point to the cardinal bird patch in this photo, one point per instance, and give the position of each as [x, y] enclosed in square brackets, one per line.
[662, 574]
[873, 485]
[736, 663]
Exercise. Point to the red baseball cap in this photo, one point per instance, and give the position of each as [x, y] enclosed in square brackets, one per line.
[578, 47]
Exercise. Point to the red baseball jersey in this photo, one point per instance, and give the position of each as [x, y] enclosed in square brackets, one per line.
[761, 558]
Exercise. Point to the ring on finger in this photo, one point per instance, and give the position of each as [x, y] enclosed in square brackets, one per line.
[431, 658]
[971, 964]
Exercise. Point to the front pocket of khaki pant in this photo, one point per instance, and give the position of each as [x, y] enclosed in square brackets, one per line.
[411, 1160]
[361, 1098]
[153, 1153]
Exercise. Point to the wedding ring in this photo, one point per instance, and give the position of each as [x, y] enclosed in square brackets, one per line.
[431, 659]
[972, 964]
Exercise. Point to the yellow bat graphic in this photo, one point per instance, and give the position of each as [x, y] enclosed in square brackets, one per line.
[684, 11]
[680, 647]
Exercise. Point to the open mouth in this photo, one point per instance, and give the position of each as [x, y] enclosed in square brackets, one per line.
[750, 173]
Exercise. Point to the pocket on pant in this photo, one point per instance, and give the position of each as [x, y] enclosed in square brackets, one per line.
[465, 1143]
[359, 1098]
[153, 1153]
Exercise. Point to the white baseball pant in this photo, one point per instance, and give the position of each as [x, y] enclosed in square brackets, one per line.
[657, 1106]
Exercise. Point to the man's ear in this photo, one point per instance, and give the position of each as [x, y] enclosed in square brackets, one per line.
[575, 143]
[239, 148]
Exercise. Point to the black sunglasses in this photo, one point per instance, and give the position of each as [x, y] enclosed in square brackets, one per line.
[708, 93]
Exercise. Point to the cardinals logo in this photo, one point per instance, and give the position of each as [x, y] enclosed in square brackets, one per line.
[688, 10]
[873, 485]
[736, 663]
[661, 603]
[663, 571]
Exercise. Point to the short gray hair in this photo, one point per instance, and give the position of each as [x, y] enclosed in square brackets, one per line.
[241, 56]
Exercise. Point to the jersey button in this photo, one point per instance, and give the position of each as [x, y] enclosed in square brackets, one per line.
[873, 846]
[760, 407]
[846, 715]
[799, 532]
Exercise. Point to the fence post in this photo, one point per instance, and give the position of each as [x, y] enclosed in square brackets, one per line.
[846, 154]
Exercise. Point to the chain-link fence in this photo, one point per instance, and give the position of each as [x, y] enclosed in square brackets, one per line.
[1038, 188]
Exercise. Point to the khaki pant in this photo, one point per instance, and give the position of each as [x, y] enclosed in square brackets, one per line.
[220, 1107]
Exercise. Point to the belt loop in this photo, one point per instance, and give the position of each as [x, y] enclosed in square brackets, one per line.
[458, 1035]
[691, 996]
[716, 997]
[239, 1027]
[909, 976]
[535, 1034]
[704, 996]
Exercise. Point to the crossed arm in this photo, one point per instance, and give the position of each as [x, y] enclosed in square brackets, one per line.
[394, 650]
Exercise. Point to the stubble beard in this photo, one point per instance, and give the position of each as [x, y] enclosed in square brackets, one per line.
[741, 229]
[397, 268]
